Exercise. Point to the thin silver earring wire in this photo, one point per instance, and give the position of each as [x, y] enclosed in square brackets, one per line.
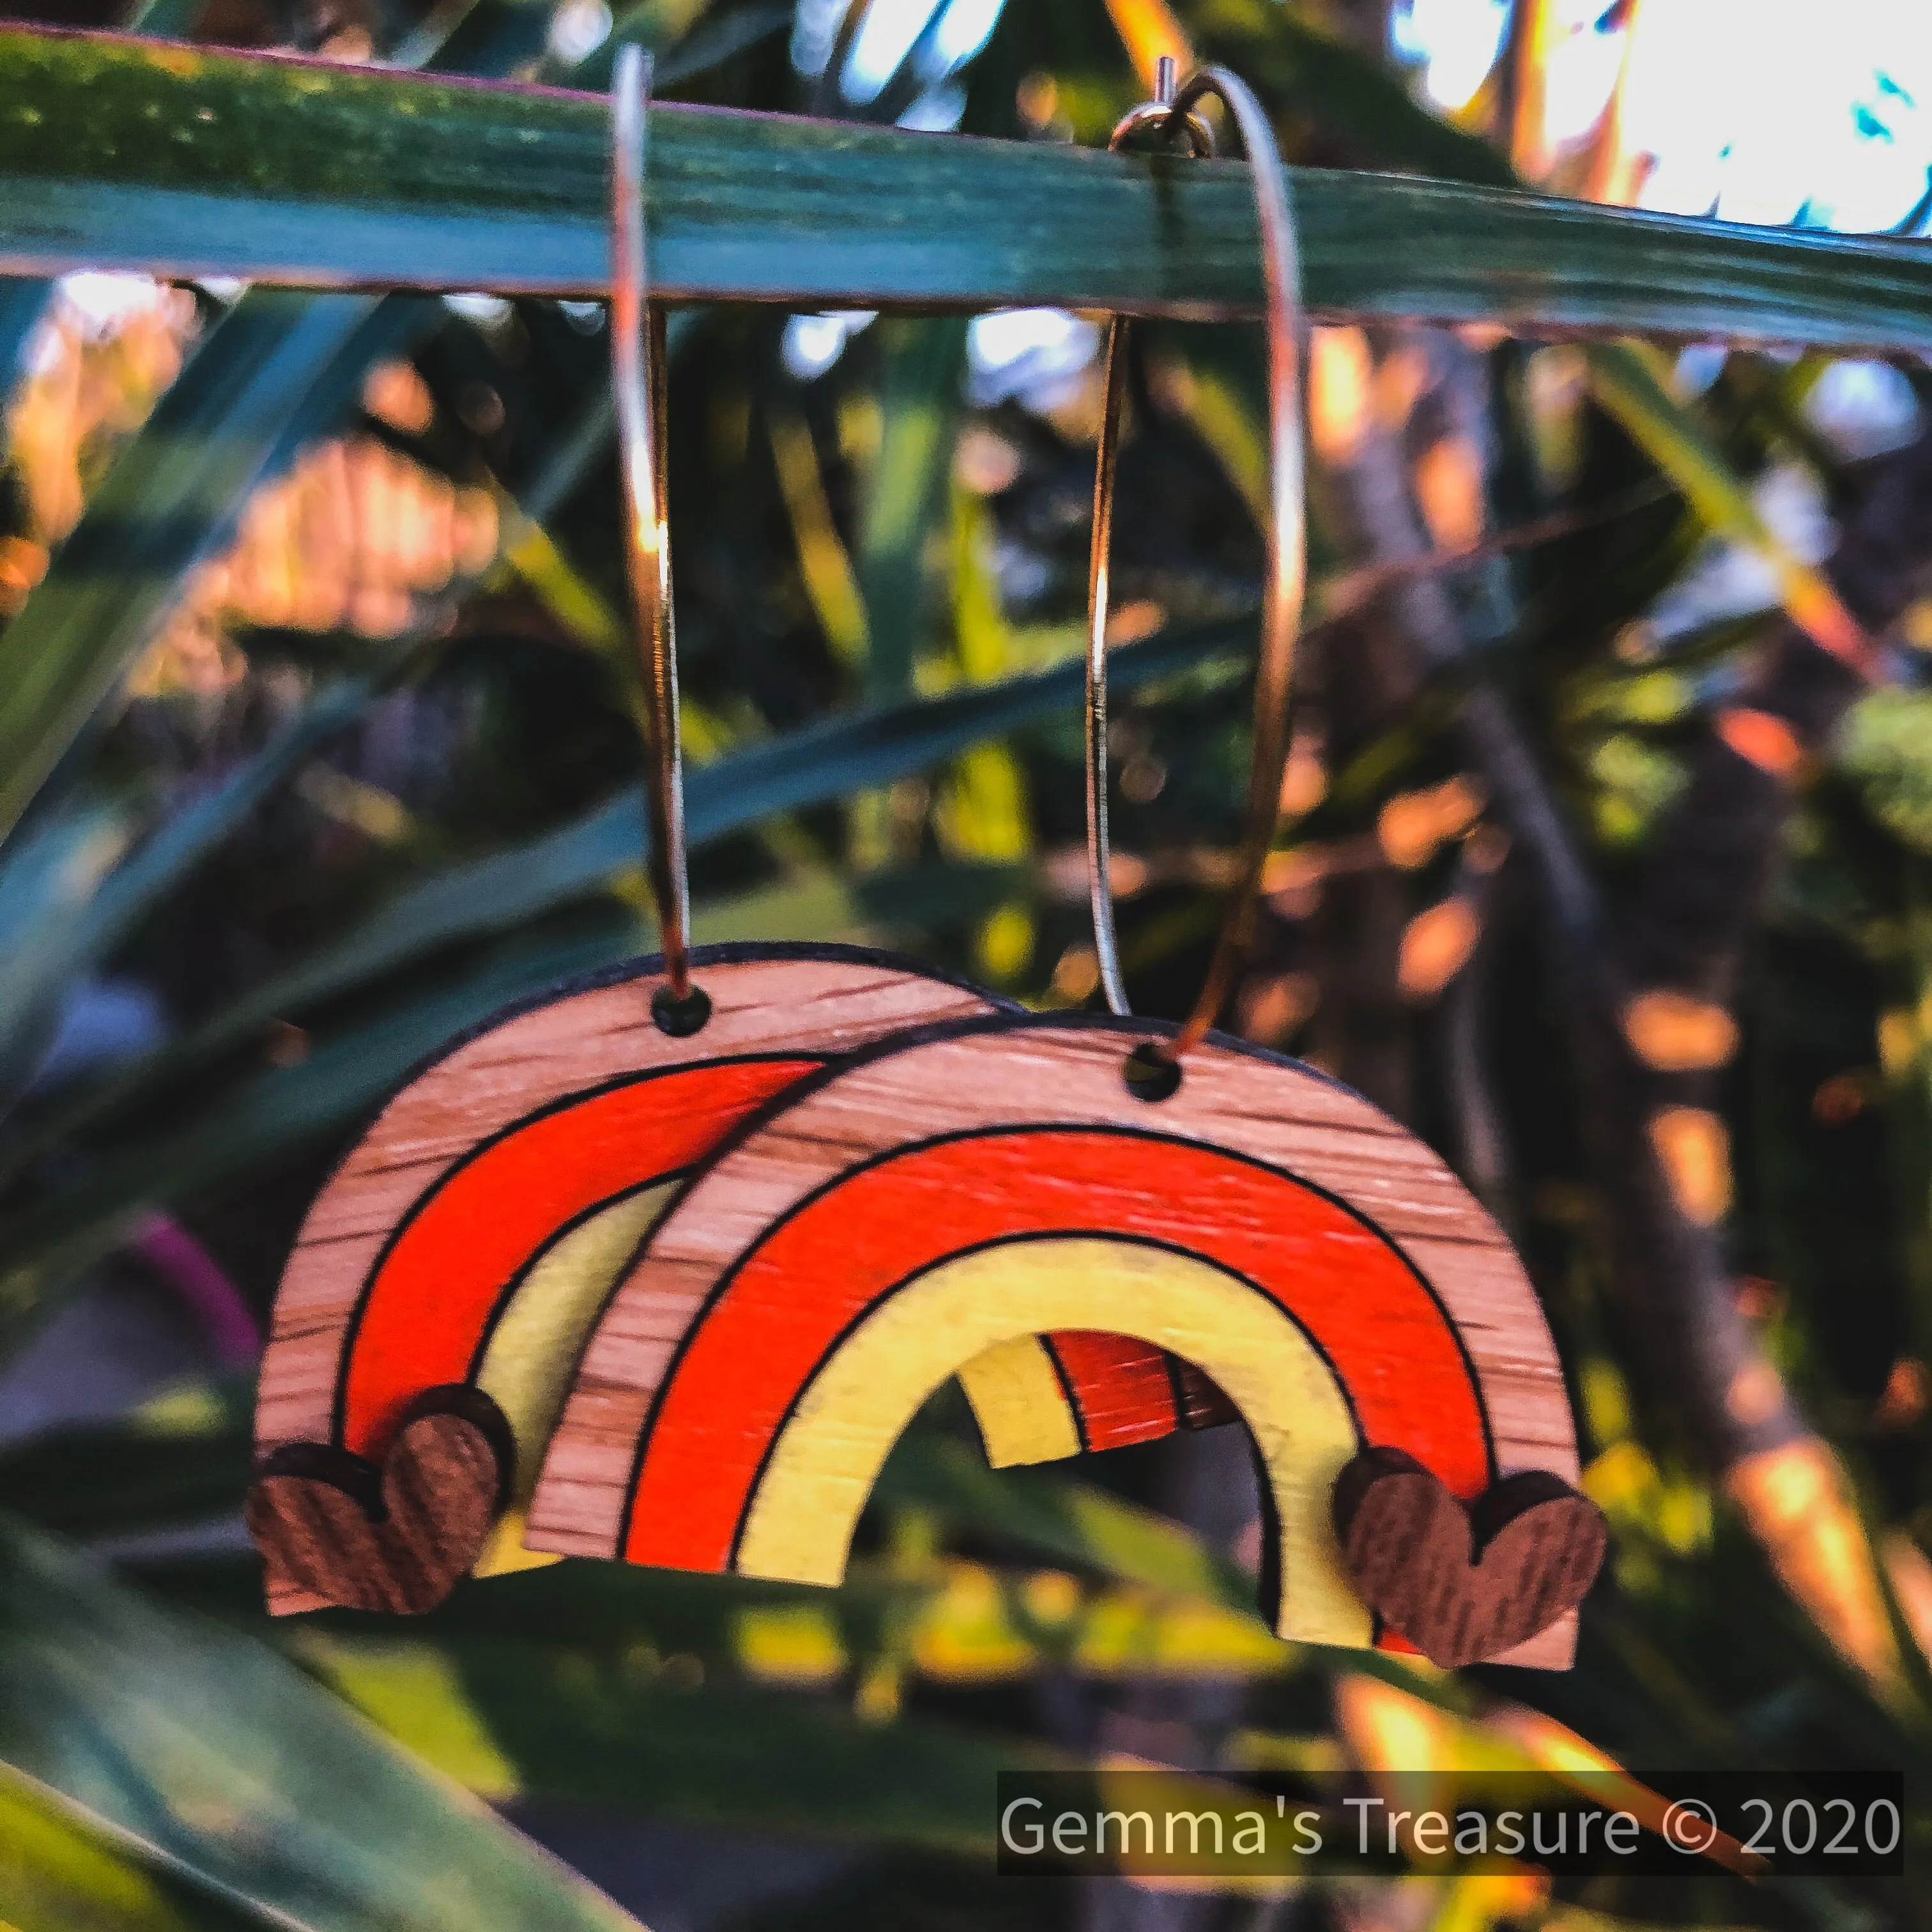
[1113, 417]
[637, 376]
[1099, 869]
[1284, 587]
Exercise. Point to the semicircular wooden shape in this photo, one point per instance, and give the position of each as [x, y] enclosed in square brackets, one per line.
[471, 1235]
[890, 1220]
[469, 1239]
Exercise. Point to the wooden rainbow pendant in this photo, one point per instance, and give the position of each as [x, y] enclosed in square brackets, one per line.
[936, 1204]
[444, 1281]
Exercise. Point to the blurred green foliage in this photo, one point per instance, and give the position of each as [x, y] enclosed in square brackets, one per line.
[319, 848]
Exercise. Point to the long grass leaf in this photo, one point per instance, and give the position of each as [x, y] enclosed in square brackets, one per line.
[359, 177]
[35, 976]
[1627, 380]
[919, 399]
[225, 1760]
[276, 370]
[180, 1458]
[42, 1248]
[63, 1871]
[725, 1754]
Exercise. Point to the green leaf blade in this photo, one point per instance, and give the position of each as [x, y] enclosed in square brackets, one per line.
[211, 1749]
[190, 163]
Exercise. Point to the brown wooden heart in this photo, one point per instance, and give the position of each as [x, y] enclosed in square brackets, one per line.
[396, 1537]
[1465, 1584]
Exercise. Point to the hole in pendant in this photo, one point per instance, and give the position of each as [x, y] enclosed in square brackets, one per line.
[683, 1018]
[1151, 1074]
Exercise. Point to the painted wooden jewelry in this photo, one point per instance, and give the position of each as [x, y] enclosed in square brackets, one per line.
[828, 1181]
[892, 1219]
[457, 1258]
[1464, 1582]
[443, 1281]
[394, 1536]
[460, 1253]
[1041, 1398]
[939, 1203]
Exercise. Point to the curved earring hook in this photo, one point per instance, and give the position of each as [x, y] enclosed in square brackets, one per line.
[637, 376]
[1284, 587]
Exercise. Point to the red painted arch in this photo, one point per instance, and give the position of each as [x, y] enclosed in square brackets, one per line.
[434, 1292]
[432, 1295]
[1123, 1389]
[790, 1300]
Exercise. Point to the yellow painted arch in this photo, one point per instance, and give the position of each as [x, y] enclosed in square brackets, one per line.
[533, 1350]
[1020, 1404]
[799, 1525]
[1018, 1401]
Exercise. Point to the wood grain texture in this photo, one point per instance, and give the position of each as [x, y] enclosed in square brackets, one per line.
[1465, 1582]
[473, 1232]
[863, 1178]
[395, 1537]
[806, 1003]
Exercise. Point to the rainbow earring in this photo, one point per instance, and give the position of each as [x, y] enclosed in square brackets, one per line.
[442, 1284]
[939, 1203]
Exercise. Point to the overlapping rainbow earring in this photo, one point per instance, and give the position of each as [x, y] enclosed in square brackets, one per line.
[443, 1282]
[658, 1266]
[942, 1202]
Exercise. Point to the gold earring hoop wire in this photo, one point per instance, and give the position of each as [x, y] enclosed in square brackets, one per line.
[1285, 585]
[638, 377]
